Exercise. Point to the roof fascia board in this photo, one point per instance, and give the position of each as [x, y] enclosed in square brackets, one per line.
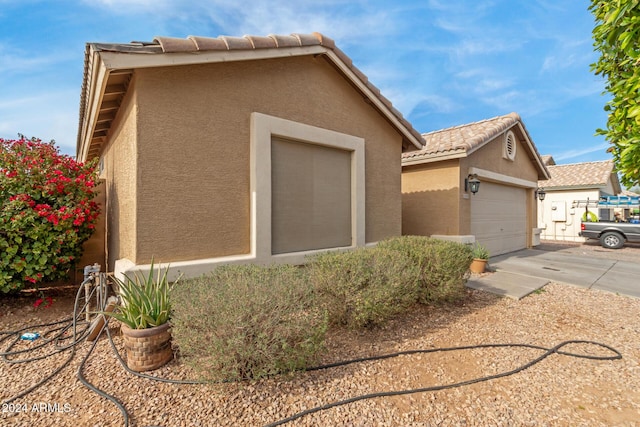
[99, 75]
[533, 151]
[418, 160]
[498, 177]
[594, 187]
[374, 98]
[123, 60]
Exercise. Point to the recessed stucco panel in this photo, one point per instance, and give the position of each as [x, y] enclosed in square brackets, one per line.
[194, 122]
[490, 158]
[430, 198]
[120, 173]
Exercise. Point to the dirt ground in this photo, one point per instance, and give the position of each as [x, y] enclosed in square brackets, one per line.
[559, 391]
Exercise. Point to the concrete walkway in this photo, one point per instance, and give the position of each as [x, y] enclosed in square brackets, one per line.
[517, 274]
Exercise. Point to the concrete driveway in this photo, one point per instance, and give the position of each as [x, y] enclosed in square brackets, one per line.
[587, 265]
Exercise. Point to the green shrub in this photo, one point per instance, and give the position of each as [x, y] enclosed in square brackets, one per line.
[46, 212]
[247, 322]
[365, 286]
[443, 265]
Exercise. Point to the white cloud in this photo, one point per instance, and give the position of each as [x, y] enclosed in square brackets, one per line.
[53, 115]
[12, 60]
[571, 154]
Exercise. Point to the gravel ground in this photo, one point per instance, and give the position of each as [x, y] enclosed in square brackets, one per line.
[559, 391]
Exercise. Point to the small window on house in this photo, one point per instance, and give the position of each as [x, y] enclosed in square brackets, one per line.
[509, 148]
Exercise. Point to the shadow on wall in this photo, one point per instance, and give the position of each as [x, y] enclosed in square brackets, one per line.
[431, 212]
[93, 250]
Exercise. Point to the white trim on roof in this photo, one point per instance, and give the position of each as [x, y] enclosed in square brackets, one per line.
[433, 157]
[102, 62]
[501, 178]
[123, 60]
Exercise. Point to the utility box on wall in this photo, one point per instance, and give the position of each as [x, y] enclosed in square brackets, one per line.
[558, 211]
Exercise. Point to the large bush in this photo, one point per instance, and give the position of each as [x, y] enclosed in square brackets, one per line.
[46, 212]
[247, 322]
[443, 265]
[365, 287]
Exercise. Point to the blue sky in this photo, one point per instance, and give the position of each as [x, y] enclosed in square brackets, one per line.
[441, 62]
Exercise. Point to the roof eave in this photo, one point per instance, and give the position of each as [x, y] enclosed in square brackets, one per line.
[96, 76]
[572, 187]
[433, 157]
[102, 62]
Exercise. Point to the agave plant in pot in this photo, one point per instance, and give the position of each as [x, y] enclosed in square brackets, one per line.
[480, 258]
[144, 313]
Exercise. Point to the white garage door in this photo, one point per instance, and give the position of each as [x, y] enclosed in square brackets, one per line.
[499, 217]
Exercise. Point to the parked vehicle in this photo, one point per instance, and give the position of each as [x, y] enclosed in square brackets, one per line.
[612, 234]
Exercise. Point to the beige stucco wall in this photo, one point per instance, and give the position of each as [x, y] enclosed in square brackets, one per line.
[193, 123]
[93, 250]
[433, 196]
[430, 198]
[121, 176]
[489, 157]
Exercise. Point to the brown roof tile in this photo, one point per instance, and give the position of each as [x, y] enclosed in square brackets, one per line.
[588, 174]
[463, 138]
[262, 42]
[207, 43]
[547, 159]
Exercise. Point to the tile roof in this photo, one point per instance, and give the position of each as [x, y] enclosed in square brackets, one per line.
[281, 45]
[629, 193]
[580, 175]
[463, 139]
[547, 159]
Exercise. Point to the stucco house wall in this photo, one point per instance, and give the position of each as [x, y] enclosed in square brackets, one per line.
[185, 157]
[558, 220]
[559, 217]
[435, 201]
[431, 198]
[121, 174]
[193, 150]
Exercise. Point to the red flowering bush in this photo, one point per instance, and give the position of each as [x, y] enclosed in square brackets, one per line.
[46, 212]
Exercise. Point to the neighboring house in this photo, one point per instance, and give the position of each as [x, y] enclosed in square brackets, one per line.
[563, 208]
[437, 200]
[238, 150]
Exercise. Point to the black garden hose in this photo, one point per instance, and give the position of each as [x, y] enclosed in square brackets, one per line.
[547, 352]
[78, 337]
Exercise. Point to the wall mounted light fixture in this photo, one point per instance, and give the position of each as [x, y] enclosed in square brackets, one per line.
[540, 193]
[472, 183]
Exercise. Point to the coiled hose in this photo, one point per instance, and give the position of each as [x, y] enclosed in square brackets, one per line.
[63, 326]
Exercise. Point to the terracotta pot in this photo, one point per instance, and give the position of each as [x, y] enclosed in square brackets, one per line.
[478, 265]
[148, 348]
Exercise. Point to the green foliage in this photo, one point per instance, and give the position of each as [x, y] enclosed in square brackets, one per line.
[46, 212]
[443, 265]
[144, 299]
[248, 322]
[366, 286]
[479, 252]
[616, 37]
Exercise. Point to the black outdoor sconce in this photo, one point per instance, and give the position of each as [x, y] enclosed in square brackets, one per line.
[472, 183]
[540, 193]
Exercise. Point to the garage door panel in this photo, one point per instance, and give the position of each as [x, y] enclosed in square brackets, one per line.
[499, 217]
